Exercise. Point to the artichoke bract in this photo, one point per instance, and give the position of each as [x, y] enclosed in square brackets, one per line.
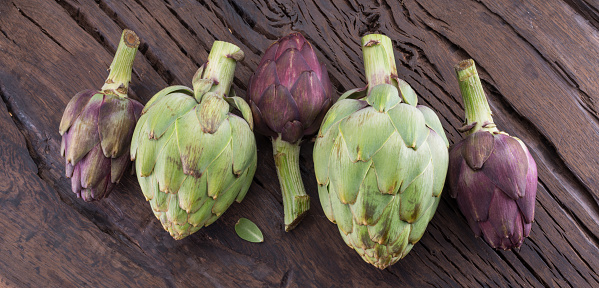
[193, 156]
[97, 125]
[380, 161]
[289, 94]
[492, 174]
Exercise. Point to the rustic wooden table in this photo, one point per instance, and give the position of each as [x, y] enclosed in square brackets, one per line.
[537, 59]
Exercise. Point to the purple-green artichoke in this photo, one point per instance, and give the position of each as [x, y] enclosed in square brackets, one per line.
[380, 161]
[289, 94]
[193, 155]
[96, 128]
[492, 174]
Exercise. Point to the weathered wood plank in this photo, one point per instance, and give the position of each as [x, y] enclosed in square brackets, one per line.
[537, 62]
[44, 241]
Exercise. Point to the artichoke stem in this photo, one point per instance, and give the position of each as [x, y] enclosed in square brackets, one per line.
[295, 200]
[379, 62]
[120, 70]
[475, 102]
[220, 66]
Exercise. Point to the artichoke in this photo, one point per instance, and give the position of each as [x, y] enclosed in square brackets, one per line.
[492, 175]
[193, 156]
[289, 94]
[97, 125]
[380, 161]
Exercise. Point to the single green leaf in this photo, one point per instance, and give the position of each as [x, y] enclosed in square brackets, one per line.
[432, 121]
[365, 132]
[383, 97]
[339, 111]
[407, 93]
[240, 104]
[356, 93]
[248, 231]
[410, 124]
[164, 92]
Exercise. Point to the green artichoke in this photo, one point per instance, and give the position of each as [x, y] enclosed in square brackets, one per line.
[380, 161]
[97, 125]
[194, 157]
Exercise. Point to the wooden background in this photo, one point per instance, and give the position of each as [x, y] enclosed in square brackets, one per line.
[537, 59]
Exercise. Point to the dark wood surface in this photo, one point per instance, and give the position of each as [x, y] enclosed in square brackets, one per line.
[537, 59]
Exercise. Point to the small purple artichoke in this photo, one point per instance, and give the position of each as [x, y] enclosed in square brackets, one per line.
[97, 126]
[494, 178]
[289, 94]
[290, 91]
[492, 175]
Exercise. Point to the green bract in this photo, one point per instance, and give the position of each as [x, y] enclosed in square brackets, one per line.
[380, 161]
[193, 156]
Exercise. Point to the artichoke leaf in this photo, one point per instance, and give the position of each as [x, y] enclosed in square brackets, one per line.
[417, 196]
[243, 107]
[410, 124]
[149, 151]
[440, 158]
[365, 132]
[226, 197]
[325, 201]
[432, 121]
[407, 93]
[345, 175]
[419, 227]
[243, 144]
[383, 97]
[168, 170]
[115, 122]
[338, 112]
[322, 153]
[166, 112]
[371, 203]
[203, 214]
[160, 202]
[386, 163]
[248, 231]
[192, 193]
[220, 174]
[199, 149]
[342, 213]
[247, 177]
[176, 89]
[74, 108]
[412, 164]
[175, 215]
[212, 112]
[356, 93]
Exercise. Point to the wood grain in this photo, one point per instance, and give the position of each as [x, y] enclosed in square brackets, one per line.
[537, 60]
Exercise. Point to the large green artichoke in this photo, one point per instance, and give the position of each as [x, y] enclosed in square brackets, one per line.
[380, 161]
[193, 156]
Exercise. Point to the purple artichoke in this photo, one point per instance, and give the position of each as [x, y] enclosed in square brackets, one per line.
[289, 94]
[97, 126]
[492, 175]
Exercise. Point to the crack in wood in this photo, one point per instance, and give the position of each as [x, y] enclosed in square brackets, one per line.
[41, 28]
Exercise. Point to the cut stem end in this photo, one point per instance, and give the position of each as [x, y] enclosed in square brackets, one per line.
[295, 200]
[118, 80]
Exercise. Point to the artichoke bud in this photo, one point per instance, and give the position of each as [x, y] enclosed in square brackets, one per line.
[493, 175]
[289, 94]
[380, 161]
[97, 126]
[193, 156]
